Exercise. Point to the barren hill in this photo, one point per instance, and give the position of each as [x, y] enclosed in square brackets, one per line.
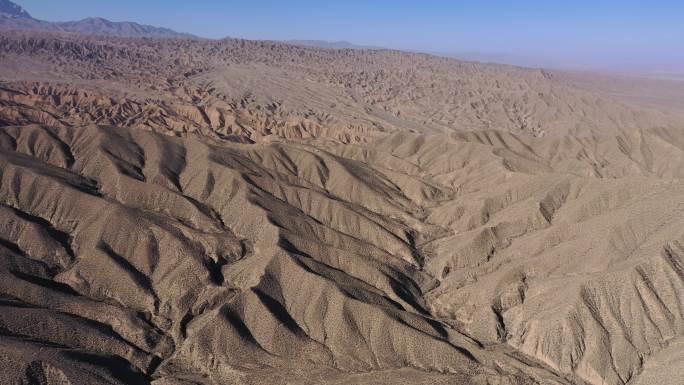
[252, 89]
[217, 212]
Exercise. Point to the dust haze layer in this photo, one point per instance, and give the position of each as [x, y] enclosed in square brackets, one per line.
[179, 211]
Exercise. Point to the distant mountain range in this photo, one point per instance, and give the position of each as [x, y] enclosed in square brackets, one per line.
[9, 9]
[14, 17]
[330, 44]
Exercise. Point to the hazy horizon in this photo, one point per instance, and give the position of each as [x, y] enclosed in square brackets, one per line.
[611, 35]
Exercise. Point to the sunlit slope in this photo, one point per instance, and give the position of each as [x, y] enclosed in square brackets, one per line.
[487, 256]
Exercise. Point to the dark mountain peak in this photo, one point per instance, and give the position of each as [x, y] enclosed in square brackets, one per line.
[14, 17]
[8, 8]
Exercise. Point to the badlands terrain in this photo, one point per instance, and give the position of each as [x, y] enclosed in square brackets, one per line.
[181, 211]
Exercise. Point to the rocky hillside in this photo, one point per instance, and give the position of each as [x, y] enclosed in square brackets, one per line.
[244, 212]
[252, 90]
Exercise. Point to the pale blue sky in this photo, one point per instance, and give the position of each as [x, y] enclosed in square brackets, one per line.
[576, 33]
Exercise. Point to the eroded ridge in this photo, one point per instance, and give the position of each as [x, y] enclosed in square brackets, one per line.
[137, 257]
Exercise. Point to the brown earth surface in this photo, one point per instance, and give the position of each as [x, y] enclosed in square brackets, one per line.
[178, 211]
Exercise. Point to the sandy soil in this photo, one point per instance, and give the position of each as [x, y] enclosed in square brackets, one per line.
[244, 212]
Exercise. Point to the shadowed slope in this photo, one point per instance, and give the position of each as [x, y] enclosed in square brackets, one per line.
[236, 261]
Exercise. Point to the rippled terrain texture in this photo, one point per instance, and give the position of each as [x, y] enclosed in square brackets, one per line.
[177, 212]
